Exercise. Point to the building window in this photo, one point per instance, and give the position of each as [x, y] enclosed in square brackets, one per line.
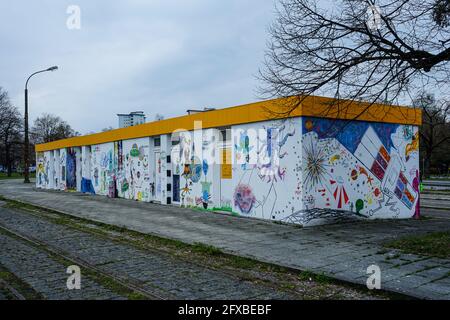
[175, 138]
[157, 142]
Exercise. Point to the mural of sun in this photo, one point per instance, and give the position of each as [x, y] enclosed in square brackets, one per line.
[315, 164]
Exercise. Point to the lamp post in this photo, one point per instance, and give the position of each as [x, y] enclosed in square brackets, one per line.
[27, 141]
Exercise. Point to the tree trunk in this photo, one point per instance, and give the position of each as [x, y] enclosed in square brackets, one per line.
[427, 162]
[8, 160]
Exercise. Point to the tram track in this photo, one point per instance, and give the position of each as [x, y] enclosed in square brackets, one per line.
[11, 290]
[86, 266]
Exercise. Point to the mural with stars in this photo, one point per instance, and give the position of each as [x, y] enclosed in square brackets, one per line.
[357, 170]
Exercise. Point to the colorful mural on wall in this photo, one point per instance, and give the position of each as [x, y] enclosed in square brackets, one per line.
[71, 169]
[304, 171]
[62, 169]
[86, 181]
[266, 170]
[133, 174]
[196, 172]
[357, 169]
[102, 168]
[41, 172]
[45, 170]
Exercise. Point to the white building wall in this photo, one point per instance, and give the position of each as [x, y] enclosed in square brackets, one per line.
[62, 169]
[133, 179]
[166, 147]
[300, 170]
[79, 161]
[86, 181]
[49, 169]
[41, 175]
[267, 177]
[364, 170]
[198, 153]
[57, 169]
[102, 167]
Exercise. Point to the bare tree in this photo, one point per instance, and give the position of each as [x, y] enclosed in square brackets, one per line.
[435, 130]
[48, 127]
[107, 129]
[377, 51]
[10, 131]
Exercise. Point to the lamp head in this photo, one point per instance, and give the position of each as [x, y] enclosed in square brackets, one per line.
[54, 68]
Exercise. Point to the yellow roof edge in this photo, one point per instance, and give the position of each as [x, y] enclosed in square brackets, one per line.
[312, 106]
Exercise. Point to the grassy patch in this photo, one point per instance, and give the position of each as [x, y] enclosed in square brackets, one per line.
[436, 244]
[20, 286]
[316, 277]
[206, 249]
[14, 175]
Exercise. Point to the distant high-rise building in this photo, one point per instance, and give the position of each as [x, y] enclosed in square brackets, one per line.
[132, 119]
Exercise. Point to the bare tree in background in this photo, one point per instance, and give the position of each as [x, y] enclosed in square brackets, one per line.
[48, 127]
[435, 129]
[377, 51]
[107, 129]
[10, 132]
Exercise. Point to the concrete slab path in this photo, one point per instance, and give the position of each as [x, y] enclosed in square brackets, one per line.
[342, 251]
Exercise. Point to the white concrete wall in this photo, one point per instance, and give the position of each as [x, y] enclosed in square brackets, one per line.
[166, 147]
[62, 169]
[226, 183]
[300, 170]
[79, 167]
[49, 169]
[56, 170]
[133, 180]
[267, 175]
[86, 181]
[41, 175]
[198, 151]
[367, 170]
[102, 167]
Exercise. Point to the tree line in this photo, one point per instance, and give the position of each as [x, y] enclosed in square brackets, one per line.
[46, 128]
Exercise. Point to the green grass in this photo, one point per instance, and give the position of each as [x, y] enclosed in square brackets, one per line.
[14, 175]
[206, 249]
[436, 244]
[22, 287]
[317, 277]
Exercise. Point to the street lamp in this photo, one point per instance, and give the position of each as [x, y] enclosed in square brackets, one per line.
[26, 147]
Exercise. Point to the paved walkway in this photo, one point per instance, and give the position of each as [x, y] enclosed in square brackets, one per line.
[342, 251]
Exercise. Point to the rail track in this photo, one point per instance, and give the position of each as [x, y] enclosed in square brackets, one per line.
[11, 290]
[76, 261]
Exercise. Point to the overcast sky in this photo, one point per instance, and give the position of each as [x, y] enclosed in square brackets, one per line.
[151, 55]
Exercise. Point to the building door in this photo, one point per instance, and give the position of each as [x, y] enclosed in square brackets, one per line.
[176, 188]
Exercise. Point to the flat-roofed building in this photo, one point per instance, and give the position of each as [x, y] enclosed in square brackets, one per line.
[323, 162]
[131, 119]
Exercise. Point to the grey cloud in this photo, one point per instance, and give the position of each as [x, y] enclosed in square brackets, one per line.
[157, 56]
